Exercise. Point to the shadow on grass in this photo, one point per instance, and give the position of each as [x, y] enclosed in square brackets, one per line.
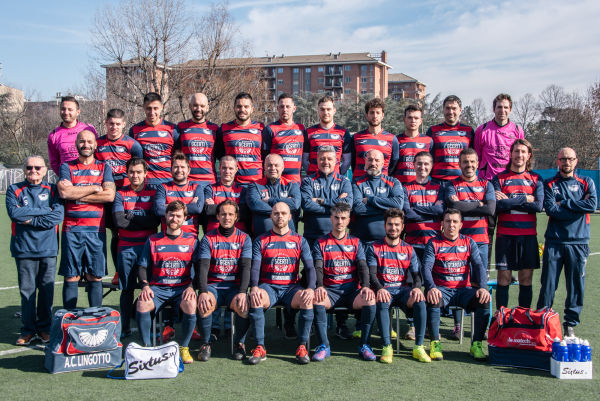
[521, 371]
[24, 363]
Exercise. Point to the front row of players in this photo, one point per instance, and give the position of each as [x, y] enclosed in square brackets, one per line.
[338, 272]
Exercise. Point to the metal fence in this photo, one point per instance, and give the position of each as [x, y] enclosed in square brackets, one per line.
[11, 175]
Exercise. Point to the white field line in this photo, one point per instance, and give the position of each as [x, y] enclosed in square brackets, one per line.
[55, 283]
[22, 349]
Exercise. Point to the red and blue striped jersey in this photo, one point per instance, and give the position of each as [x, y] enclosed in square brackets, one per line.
[317, 136]
[169, 192]
[157, 143]
[220, 193]
[478, 190]
[393, 262]
[364, 141]
[279, 256]
[197, 141]
[245, 144]
[83, 216]
[407, 149]
[513, 221]
[137, 203]
[339, 258]
[451, 266]
[288, 142]
[448, 142]
[420, 199]
[170, 261]
[116, 154]
[224, 254]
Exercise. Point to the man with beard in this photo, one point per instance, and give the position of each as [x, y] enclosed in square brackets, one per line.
[568, 201]
[165, 271]
[373, 195]
[197, 140]
[242, 139]
[85, 184]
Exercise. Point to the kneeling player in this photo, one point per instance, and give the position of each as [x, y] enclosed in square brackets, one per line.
[390, 262]
[450, 262]
[339, 264]
[223, 276]
[169, 256]
[274, 280]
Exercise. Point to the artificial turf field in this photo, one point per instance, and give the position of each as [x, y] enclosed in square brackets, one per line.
[341, 377]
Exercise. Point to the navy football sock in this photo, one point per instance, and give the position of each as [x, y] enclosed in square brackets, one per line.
[383, 319]
[241, 328]
[525, 295]
[502, 296]
[367, 317]
[205, 326]
[188, 323]
[321, 323]
[420, 319]
[433, 314]
[70, 293]
[94, 289]
[482, 318]
[144, 325]
[257, 315]
[305, 319]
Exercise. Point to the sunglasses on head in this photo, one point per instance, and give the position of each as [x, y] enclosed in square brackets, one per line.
[37, 168]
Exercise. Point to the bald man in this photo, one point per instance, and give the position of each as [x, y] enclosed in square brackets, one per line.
[373, 194]
[568, 201]
[263, 194]
[197, 140]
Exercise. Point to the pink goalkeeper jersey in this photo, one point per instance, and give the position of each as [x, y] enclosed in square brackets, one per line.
[61, 144]
[492, 144]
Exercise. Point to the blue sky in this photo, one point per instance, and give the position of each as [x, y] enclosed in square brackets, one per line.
[470, 48]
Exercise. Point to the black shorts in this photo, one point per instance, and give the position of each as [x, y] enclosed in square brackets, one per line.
[517, 252]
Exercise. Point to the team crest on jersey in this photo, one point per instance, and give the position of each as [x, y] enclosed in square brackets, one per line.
[235, 246]
[381, 190]
[120, 149]
[335, 187]
[95, 172]
[145, 199]
[188, 193]
[283, 194]
[235, 195]
[183, 248]
[461, 248]
[264, 193]
[42, 197]
[348, 248]
[253, 131]
[382, 143]
[574, 188]
[419, 145]
[335, 136]
[401, 256]
[296, 132]
[431, 192]
[162, 134]
[290, 244]
[367, 191]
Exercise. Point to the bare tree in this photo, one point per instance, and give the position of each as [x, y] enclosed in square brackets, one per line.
[526, 112]
[432, 110]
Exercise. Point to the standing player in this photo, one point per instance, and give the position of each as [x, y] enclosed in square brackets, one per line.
[133, 216]
[86, 184]
[197, 140]
[327, 133]
[285, 138]
[475, 198]
[61, 141]
[340, 265]
[390, 261]
[374, 137]
[265, 193]
[450, 265]
[223, 277]
[320, 192]
[423, 208]
[520, 195]
[449, 139]
[181, 188]
[274, 280]
[36, 211]
[225, 189]
[372, 195]
[568, 201]
[242, 139]
[411, 142]
[157, 138]
[165, 274]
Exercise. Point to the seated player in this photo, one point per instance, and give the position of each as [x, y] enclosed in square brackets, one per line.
[223, 277]
[340, 264]
[390, 262]
[169, 256]
[274, 280]
[450, 264]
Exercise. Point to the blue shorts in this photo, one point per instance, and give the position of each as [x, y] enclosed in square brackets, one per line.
[83, 252]
[164, 295]
[517, 252]
[224, 292]
[280, 294]
[400, 297]
[126, 262]
[343, 295]
[457, 297]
